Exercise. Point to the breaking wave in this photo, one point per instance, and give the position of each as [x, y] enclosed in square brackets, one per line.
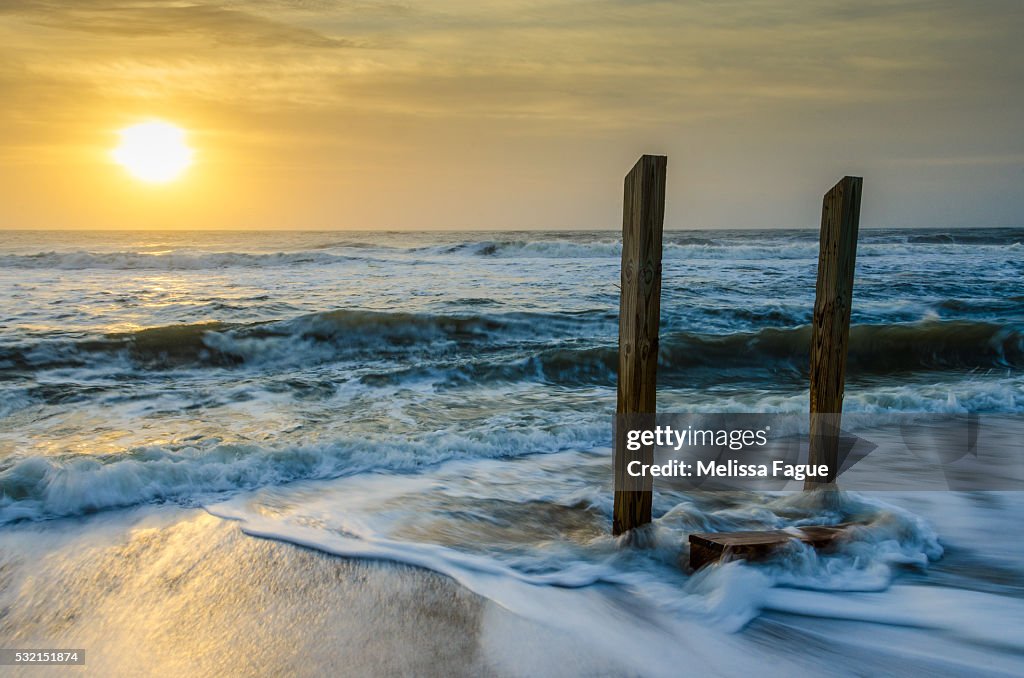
[40, 488]
[572, 348]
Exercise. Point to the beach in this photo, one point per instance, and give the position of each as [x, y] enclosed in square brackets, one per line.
[177, 591]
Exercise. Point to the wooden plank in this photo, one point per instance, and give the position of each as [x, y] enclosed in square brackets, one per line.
[709, 547]
[643, 216]
[840, 220]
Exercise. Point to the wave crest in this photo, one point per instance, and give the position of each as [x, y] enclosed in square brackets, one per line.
[518, 346]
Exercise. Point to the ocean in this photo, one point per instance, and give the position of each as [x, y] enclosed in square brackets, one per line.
[444, 401]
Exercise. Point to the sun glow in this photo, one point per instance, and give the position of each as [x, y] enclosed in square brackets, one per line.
[155, 152]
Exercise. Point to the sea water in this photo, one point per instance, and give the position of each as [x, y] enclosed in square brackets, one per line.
[445, 400]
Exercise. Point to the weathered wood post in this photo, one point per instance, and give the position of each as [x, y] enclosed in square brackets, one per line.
[643, 216]
[840, 219]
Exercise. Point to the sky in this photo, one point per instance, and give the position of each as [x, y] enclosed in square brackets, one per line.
[468, 114]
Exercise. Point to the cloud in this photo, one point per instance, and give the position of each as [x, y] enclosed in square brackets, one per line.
[127, 20]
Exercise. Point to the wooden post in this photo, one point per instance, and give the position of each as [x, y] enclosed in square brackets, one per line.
[840, 218]
[643, 216]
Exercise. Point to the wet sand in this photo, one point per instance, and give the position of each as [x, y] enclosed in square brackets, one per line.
[191, 595]
[179, 592]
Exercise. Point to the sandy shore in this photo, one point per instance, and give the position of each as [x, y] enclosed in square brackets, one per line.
[179, 592]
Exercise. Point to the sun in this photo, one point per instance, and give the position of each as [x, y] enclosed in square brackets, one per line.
[154, 151]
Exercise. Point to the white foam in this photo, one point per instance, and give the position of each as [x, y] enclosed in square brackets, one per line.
[609, 596]
[38, 488]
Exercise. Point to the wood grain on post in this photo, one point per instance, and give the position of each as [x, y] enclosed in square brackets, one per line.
[840, 219]
[643, 216]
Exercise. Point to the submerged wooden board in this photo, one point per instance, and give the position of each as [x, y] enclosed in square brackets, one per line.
[708, 547]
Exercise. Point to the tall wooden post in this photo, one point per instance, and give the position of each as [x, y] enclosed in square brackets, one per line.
[840, 219]
[643, 216]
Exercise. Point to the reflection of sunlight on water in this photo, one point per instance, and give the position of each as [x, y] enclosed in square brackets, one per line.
[107, 441]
